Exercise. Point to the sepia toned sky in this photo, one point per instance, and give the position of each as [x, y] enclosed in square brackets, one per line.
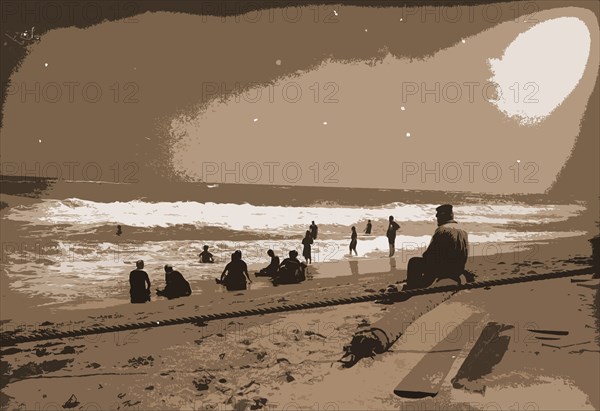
[336, 92]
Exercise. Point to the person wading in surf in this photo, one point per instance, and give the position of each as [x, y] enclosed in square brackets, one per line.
[314, 230]
[369, 227]
[353, 241]
[205, 256]
[307, 251]
[391, 235]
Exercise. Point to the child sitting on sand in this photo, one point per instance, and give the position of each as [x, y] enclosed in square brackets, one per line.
[205, 256]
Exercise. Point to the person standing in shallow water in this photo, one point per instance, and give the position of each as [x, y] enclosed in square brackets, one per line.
[353, 241]
[391, 235]
[369, 227]
[307, 251]
[138, 279]
[314, 230]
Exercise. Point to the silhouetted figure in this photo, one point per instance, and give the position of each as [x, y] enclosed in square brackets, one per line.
[176, 285]
[291, 270]
[235, 273]
[353, 241]
[273, 266]
[369, 227]
[391, 235]
[119, 231]
[307, 251]
[205, 256]
[139, 283]
[314, 230]
[445, 256]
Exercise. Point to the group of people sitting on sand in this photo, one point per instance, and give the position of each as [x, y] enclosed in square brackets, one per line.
[139, 283]
[289, 271]
[445, 258]
[234, 276]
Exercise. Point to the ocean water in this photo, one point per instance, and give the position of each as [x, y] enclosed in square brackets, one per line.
[68, 249]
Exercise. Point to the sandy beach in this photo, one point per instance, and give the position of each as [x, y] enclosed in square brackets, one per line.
[137, 136]
[290, 361]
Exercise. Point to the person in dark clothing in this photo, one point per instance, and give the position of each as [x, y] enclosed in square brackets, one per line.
[291, 270]
[176, 285]
[235, 273]
[369, 227]
[314, 230]
[391, 235]
[205, 256]
[138, 280]
[306, 251]
[273, 266]
[119, 231]
[353, 241]
[445, 256]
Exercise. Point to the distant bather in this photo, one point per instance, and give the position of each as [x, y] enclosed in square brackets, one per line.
[206, 256]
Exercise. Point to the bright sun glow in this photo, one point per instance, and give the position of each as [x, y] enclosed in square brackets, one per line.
[540, 68]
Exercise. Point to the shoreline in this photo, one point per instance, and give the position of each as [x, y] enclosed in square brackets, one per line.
[290, 359]
[556, 256]
[112, 295]
[283, 358]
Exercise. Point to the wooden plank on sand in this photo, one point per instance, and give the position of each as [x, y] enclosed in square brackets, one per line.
[426, 378]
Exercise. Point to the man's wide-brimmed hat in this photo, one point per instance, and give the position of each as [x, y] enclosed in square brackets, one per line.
[444, 209]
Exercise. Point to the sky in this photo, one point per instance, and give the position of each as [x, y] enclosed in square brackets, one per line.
[338, 99]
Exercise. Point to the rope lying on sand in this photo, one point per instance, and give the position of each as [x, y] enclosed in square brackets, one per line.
[12, 338]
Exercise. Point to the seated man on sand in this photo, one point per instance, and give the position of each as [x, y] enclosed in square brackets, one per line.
[271, 269]
[291, 270]
[138, 280]
[445, 256]
[177, 286]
